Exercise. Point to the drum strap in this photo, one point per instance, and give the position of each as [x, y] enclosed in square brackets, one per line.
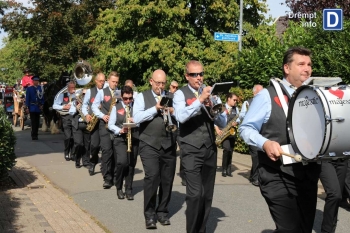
[280, 96]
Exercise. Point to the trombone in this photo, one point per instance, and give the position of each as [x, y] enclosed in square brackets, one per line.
[169, 125]
[215, 105]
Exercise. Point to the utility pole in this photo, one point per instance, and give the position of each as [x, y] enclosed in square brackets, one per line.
[240, 24]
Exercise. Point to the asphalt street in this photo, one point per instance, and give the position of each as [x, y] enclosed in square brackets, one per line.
[237, 206]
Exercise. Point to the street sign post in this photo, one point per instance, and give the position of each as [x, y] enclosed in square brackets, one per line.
[226, 37]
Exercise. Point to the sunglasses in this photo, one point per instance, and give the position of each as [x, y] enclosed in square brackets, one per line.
[194, 75]
[128, 98]
[176, 87]
[235, 99]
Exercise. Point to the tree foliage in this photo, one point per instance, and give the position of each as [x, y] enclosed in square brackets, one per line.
[311, 6]
[57, 28]
[138, 37]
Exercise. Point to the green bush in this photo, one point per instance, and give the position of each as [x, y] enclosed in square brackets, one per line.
[7, 145]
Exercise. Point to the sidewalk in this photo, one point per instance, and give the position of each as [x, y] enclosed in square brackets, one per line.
[37, 206]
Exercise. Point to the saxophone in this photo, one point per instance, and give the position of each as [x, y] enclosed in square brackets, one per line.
[79, 99]
[227, 131]
[114, 101]
[128, 137]
[92, 123]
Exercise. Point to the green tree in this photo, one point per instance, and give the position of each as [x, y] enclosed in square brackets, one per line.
[57, 28]
[138, 37]
[13, 58]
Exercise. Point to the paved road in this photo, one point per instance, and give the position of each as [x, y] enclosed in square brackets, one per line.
[237, 206]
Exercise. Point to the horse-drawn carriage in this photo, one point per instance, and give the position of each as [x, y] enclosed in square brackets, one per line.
[19, 112]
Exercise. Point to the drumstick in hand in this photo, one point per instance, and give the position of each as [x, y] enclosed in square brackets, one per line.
[295, 157]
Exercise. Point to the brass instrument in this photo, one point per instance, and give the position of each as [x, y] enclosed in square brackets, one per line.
[79, 100]
[82, 75]
[92, 123]
[215, 107]
[128, 137]
[227, 131]
[169, 126]
[114, 101]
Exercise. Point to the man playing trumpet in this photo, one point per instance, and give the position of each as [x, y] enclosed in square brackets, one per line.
[124, 145]
[157, 151]
[197, 142]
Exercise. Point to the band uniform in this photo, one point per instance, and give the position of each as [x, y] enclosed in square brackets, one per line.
[157, 150]
[125, 161]
[63, 103]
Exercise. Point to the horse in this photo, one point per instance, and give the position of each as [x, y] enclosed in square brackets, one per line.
[51, 116]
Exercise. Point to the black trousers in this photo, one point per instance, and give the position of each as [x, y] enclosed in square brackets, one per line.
[227, 145]
[94, 145]
[200, 171]
[159, 167]
[107, 160]
[82, 146]
[332, 176]
[68, 134]
[182, 170]
[346, 193]
[291, 201]
[253, 151]
[35, 119]
[125, 162]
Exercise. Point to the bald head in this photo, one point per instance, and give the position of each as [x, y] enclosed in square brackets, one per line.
[158, 81]
[257, 88]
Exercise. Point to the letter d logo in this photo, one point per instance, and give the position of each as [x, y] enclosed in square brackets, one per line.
[333, 19]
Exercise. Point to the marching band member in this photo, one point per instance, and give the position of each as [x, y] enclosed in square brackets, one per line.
[34, 102]
[63, 104]
[131, 84]
[197, 142]
[253, 150]
[290, 191]
[26, 80]
[105, 99]
[87, 111]
[125, 161]
[228, 144]
[157, 149]
[80, 135]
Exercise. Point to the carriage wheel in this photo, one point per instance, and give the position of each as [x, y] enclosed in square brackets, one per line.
[21, 121]
[15, 118]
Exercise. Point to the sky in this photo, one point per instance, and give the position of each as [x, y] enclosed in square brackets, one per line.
[276, 10]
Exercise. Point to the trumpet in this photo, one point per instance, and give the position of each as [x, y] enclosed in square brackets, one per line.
[213, 105]
[169, 125]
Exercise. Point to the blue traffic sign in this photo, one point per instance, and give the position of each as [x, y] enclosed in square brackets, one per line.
[226, 36]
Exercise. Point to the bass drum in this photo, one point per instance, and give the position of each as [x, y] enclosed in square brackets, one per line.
[319, 122]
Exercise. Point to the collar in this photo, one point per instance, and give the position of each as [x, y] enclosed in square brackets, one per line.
[192, 89]
[161, 94]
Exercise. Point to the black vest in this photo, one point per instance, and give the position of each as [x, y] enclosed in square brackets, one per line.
[107, 100]
[64, 102]
[93, 93]
[198, 130]
[153, 132]
[121, 118]
[275, 129]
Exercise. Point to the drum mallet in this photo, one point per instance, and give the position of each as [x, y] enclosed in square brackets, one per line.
[295, 157]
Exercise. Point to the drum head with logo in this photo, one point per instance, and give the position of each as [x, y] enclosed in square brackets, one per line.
[306, 121]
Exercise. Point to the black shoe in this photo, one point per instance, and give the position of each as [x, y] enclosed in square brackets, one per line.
[255, 183]
[183, 182]
[107, 184]
[92, 170]
[120, 194]
[34, 138]
[164, 221]
[77, 165]
[129, 196]
[224, 173]
[229, 172]
[67, 157]
[151, 224]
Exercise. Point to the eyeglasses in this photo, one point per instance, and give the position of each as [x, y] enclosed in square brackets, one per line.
[128, 98]
[194, 75]
[235, 99]
[176, 87]
[158, 83]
